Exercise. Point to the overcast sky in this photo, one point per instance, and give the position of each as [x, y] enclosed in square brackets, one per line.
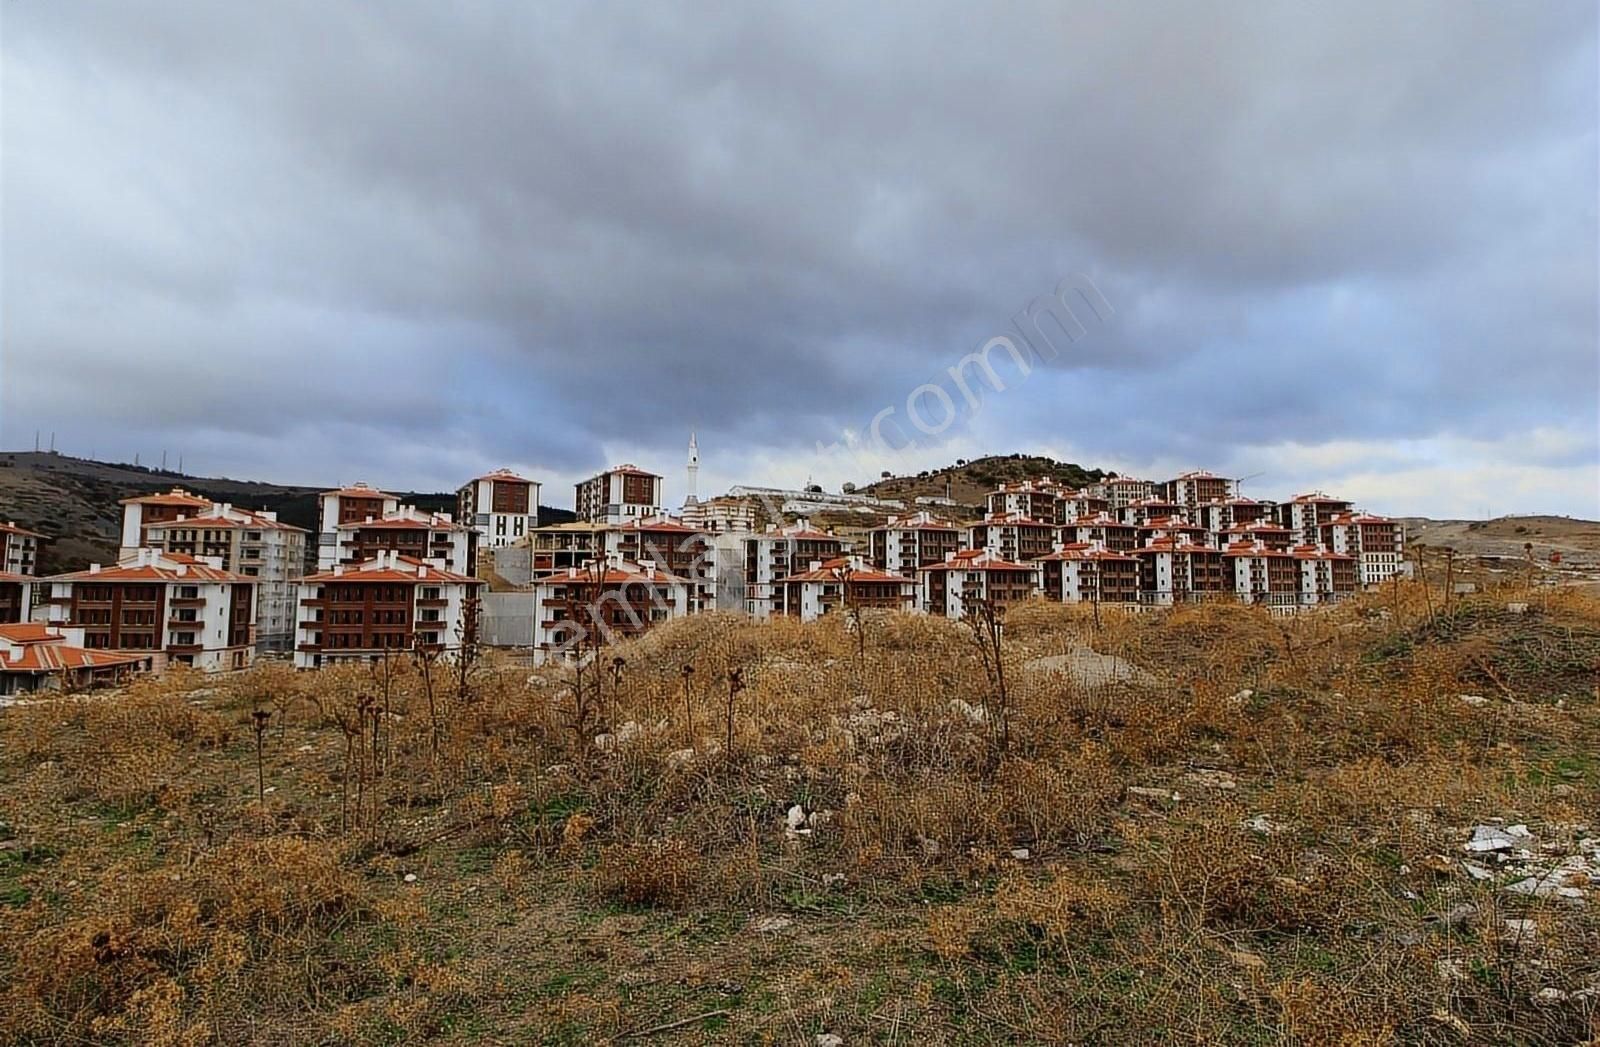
[1351, 247]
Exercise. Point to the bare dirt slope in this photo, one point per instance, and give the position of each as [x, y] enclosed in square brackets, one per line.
[1576, 540]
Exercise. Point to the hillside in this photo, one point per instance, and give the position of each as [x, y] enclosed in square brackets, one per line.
[75, 501]
[968, 482]
[1366, 826]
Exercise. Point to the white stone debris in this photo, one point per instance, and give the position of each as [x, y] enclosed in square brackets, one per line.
[829, 1039]
[1264, 825]
[770, 924]
[974, 713]
[1487, 838]
[796, 818]
[1151, 793]
[411, 877]
[1240, 697]
[1472, 699]
[1021, 854]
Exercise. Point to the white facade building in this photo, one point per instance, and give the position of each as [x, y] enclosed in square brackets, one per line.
[619, 495]
[177, 608]
[385, 606]
[501, 506]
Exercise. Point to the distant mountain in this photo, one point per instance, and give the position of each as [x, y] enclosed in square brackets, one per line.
[968, 482]
[75, 501]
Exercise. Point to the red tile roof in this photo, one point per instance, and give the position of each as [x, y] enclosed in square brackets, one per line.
[44, 651]
[503, 475]
[177, 496]
[358, 490]
[404, 569]
[977, 560]
[164, 568]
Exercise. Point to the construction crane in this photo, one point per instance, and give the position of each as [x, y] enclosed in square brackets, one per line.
[1238, 485]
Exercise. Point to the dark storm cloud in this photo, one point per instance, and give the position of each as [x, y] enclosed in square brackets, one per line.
[537, 236]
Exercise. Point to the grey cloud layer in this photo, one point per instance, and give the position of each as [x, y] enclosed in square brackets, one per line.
[486, 221]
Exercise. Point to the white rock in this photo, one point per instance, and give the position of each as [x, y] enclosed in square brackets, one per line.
[1151, 793]
[1476, 871]
[1486, 838]
[770, 924]
[829, 879]
[680, 757]
[1472, 699]
[828, 1039]
[1021, 854]
[1517, 608]
[1549, 996]
[411, 877]
[1264, 825]
[1240, 697]
[796, 818]
[606, 743]
[975, 713]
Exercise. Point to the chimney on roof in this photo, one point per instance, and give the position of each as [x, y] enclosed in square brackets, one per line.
[338, 570]
[94, 568]
[422, 570]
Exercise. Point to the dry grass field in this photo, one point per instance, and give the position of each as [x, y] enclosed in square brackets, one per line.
[780, 833]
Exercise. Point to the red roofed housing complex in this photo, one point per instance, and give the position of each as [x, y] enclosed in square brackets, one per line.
[38, 657]
[603, 602]
[255, 545]
[845, 583]
[1376, 542]
[179, 609]
[906, 544]
[501, 506]
[971, 576]
[1088, 572]
[383, 606]
[619, 495]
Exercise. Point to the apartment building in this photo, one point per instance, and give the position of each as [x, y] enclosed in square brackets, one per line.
[179, 609]
[148, 510]
[1217, 516]
[1264, 574]
[406, 530]
[604, 601]
[844, 583]
[19, 549]
[619, 495]
[501, 506]
[256, 545]
[1072, 504]
[1147, 509]
[1325, 576]
[1173, 570]
[1013, 537]
[1088, 572]
[1193, 489]
[1122, 491]
[906, 544]
[556, 547]
[381, 607]
[1376, 542]
[1102, 529]
[1173, 527]
[1304, 514]
[16, 596]
[37, 657]
[750, 567]
[1265, 532]
[1029, 499]
[970, 577]
[720, 515]
[347, 505]
[671, 545]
